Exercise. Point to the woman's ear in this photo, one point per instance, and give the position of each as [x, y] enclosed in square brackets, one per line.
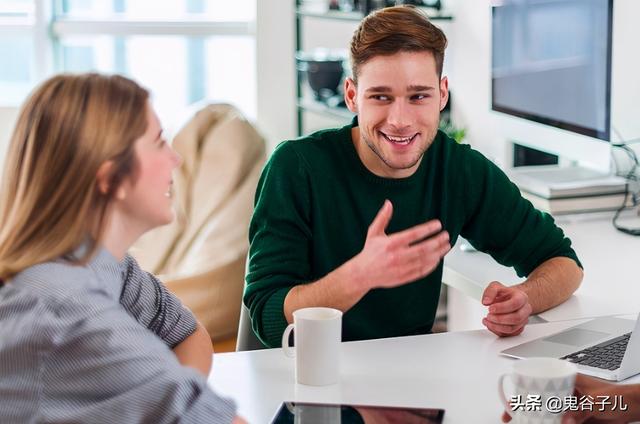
[103, 177]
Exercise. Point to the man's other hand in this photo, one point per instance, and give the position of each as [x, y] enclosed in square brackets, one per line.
[509, 309]
[399, 258]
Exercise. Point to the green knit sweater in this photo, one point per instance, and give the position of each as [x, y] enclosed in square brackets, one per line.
[315, 201]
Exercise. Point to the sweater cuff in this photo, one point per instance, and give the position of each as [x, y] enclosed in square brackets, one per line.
[273, 320]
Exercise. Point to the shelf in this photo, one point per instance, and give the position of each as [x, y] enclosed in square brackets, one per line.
[332, 14]
[357, 16]
[321, 108]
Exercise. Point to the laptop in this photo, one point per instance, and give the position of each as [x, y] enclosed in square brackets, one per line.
[607, 348]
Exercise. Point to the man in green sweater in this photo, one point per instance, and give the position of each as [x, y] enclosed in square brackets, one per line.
[359, 218]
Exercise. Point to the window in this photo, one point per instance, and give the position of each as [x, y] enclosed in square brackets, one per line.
[183, 51]
[17, 73]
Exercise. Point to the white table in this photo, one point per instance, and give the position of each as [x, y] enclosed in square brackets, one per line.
[454, 371]
[611, 282]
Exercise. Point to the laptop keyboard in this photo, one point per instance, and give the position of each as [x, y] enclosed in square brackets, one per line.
[607, 355]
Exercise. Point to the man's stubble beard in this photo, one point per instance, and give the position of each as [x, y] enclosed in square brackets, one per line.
[419, 156]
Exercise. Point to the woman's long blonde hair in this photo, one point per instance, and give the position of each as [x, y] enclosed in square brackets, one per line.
[50, 203]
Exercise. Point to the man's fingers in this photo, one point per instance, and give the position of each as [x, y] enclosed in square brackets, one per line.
[491, 292]
[501, 329]
[514, 300]
[438, 244]
[586, 384]
[424, 258]
[517, 332]
[380, 222]
[419, 267]
[505, 334]
[414, 234]
[518, 317]
[506, 417]
[444, 248]
[576, 417]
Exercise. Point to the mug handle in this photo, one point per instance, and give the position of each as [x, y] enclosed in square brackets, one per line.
[503, 398]
[288, 350]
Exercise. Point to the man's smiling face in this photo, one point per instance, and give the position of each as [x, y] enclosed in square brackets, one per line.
[398, 99]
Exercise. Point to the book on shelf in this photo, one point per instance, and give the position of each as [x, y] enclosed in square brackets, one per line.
[567, 205]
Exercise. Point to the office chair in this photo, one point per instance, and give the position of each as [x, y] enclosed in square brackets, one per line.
[247, 340]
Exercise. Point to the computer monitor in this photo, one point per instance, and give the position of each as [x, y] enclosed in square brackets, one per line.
[551, 76]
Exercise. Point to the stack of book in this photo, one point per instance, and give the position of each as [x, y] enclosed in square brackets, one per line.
[564, 190]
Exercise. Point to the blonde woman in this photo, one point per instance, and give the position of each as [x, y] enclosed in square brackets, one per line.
[85, 335]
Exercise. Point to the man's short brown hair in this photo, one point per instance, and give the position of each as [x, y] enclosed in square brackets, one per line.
[396, 29]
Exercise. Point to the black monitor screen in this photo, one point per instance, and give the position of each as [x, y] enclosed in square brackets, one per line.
[551, 62]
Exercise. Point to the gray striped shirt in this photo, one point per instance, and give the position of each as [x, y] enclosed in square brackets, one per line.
[92, 343]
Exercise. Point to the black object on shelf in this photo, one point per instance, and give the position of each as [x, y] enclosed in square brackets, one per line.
[526, 156]
[323, 72]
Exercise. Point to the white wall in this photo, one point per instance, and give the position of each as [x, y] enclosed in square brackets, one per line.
[471, 68]
[275, 45]
[625, 101]
[470, 76]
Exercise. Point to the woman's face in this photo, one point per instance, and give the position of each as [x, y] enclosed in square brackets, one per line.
[147, 197]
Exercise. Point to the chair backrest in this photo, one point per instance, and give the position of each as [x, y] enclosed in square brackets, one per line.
[247, 339]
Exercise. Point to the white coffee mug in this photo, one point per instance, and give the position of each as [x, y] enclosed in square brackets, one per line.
[317, 337]
[541, 387]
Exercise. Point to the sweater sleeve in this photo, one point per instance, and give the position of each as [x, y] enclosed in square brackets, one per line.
[500, 222]
[279, 235]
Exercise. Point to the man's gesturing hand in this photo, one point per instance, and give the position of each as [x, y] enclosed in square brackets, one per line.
[399, 258]
[509, 309]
